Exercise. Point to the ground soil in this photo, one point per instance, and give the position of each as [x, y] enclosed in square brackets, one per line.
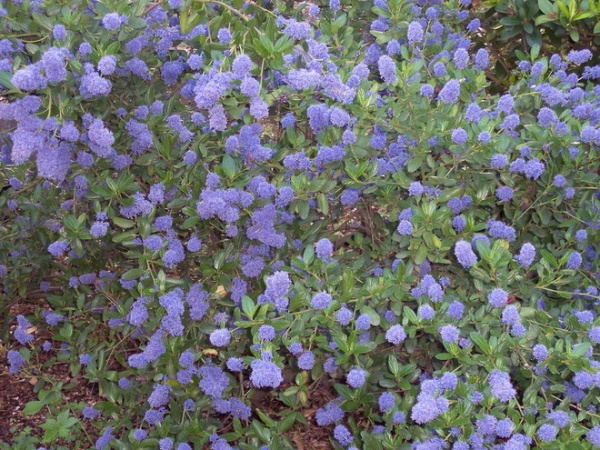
[17, 391]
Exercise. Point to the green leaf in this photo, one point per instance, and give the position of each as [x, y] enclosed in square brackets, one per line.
[581, 349]
[535, 50]
[546, 7]
[286, 423]
[71, 223]
[323, 203]
[136, 22]
[190, 222]
[407, 369]
[563, 8]
[66, 331]
[229, 166]
[370, 442]
[291, 391]
[260, 48]
[59, 427]
[284, 44]
[410, 315]
[393, 364]
[480, 342]
[421, 254]
[309, 255]
[267, 44]
[248, 306]
[388, 384]
[123, 223]
[373, 316]
[549, 257]
[44, 21]
[265, 419]
[33, 407]
[341, 340]
[543, 19]
[510, 21]
[133, 274]
[574, 445]
[574, 35]
[5, 78]
[304, 209]
[360, 349]
[414, 164]
[122, 237]
[346, 392]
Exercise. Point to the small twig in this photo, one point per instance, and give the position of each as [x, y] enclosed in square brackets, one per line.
[226, 6]
[151, 7]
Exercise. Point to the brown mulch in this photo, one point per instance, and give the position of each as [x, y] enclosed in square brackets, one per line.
[14, 394]
[312, 436]
[17, 391]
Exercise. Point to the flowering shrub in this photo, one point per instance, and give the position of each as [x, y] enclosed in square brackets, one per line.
[213, 202]
[524, 27]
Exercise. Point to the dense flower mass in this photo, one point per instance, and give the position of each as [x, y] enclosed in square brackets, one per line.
[464, 254]
[501, 386]
[265, 374]
[396, 334]
[356, 377]
[526, 255]
[498, 298]
[235, 219]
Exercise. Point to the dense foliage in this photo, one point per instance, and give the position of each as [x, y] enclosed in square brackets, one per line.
[536, 27]
[213, 202]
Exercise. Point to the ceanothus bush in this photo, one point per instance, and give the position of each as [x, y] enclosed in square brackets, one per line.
[217, 207]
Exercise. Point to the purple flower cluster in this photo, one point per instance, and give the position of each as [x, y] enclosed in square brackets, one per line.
[22, 332]
[464, 254]
[321, 300]
[329, 414]
[213, 381]
[450, 92]
[113, 21]
[430, 404]
[324, 249]
[386, 401]
[263, 227]
[94, 85]
[526, 255]
[245, 205]
[276, 292]
[574, 261]
[220, 337]
[499, 230]
[449, 333]
[154, 350]
[395, 334]
[100, 139]
[539, 352]
[500, 386]
[387, 69]
[265, 373]
[224, 204]
[498, 298]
